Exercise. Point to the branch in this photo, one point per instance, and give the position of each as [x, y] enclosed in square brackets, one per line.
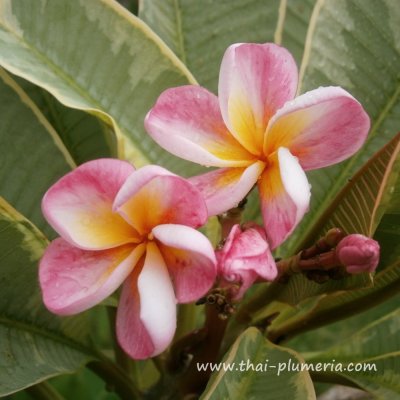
[44, 391]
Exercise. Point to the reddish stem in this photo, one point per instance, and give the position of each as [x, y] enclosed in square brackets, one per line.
[207, 351]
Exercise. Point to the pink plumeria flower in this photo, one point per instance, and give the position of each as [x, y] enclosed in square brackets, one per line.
[120, 225]
[246, 258]
[358, 253]
[257, 134]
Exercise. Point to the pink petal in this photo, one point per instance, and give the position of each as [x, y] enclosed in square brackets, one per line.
[73, 280]
[224, 188]
[254, 82]
[187, 122]
[285, 196]
[190, 259]
[249, 250]
[322, 127]
[79, 205]
[246, 257]
[146, 318]
[358, 253]
[152, 196]
[137, 181]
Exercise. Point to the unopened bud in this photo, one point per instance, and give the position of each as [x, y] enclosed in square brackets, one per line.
[333, 237]
[358, 253]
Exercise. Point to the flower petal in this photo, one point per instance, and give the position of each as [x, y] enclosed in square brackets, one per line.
[254, 82]
[137, 181]
[73, 280]
[322, 127]
[249, 250]
[190, 259]
[358, 253]
[246, 257]
[146, 317]
[285, 196]
[187, 122]
[152, 196]
[79, 205]
[224, 188]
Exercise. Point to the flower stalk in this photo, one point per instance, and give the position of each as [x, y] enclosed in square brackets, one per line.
[205, 351]
[319, 263]
[230, 218]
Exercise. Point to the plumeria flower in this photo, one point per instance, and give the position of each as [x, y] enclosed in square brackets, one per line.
[120, 225]
[257, 134]
[358, 253]
[245, 258]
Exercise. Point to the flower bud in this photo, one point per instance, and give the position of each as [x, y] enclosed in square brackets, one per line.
[358, 253]
[333, 237]
[245, 258]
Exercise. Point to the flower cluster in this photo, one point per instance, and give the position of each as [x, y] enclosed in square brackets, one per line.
[118, 225]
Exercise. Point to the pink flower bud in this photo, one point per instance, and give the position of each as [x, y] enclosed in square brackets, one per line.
[246, 257]
[358, 253]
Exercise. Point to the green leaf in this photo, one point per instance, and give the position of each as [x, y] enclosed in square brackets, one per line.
[262, 360]
[131, 5]
[85, 136]
[336, 306]
[31, 153]
[388, 236]
[353, 44]
[94, 56]
[83, 385]
[300, 288]
[200, 32]
[390, 199]
[394, 206]
[42, 390]
[329, 335]
[388, 232]
[34, 344]
[359, 206]
[377, 345]
[294, 27]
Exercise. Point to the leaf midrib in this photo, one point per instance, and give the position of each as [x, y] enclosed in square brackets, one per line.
[179, 32]
[47, 334]
[39, 115]
[278, 34]
[373, 223]
[55, 68]
[342, 300]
